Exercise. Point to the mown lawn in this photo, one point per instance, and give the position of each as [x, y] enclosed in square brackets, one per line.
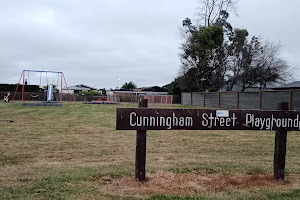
[74, 152]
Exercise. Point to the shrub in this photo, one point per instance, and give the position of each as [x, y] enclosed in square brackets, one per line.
[92, 93]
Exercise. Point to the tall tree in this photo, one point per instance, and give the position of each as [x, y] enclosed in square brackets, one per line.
[268, 66]
[218, 62]
[130, 85]
[196, 56]
[254, 62]
[237, 50]
[199, 52]
[173, 87]
[214, 54]
[215, 62]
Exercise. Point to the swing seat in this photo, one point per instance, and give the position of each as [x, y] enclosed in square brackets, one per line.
[34, 97]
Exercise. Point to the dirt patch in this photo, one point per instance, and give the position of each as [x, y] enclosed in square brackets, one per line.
[186, 184]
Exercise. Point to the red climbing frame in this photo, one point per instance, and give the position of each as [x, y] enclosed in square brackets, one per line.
[103, 100]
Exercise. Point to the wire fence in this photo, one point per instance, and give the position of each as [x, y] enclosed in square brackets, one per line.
[264, 100]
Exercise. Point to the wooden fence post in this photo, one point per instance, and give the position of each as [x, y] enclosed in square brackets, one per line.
[259, 96]
[290, 100]
[219, 99]
[237, 100]
[280, 148]
[181, 98]
[203, 99]
[140, 152]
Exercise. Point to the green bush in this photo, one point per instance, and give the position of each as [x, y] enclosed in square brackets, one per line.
[92, 93]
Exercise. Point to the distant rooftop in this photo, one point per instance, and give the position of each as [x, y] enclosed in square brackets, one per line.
[80, 87]
[154, 89]
[292, 85]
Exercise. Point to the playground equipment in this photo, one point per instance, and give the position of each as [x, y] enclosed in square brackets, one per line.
[6, 98]
[102, 100]
[50, 93]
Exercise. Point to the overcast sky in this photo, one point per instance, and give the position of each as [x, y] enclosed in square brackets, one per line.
[98, 42]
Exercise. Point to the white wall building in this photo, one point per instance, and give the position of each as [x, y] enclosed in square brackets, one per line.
[76, 89]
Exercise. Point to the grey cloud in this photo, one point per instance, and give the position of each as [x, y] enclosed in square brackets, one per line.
[98, 42]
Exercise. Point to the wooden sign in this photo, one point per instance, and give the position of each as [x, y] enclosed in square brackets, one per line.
[206, 119]
[143, 119]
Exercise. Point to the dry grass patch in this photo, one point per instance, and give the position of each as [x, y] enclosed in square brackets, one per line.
[187, 184]
[74, 152]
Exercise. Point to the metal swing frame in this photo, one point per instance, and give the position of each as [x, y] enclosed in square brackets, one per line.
[62, 76]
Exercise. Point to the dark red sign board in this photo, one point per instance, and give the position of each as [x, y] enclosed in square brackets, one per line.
[206, 119]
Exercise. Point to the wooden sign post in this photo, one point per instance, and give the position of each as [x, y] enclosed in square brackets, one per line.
[140, 151]
[280, 147]
[143, 119]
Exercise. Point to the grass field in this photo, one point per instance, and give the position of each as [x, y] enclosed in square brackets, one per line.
[74, 152]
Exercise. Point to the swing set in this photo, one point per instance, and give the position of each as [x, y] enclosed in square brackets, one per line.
[50, 92]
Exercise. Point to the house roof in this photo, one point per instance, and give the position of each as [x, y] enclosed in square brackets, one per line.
[255, 87]
[122, 89]
[154, 89]
[295, 84]
[111, 92]
[80, 87]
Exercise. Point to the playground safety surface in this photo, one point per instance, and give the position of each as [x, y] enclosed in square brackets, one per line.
[42, 104]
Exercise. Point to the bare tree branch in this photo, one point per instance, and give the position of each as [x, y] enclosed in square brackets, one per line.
[209, 10]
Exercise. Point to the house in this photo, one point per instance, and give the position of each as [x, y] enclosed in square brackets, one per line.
[255, 87]
[154, 90]
[154, 94]
[289, 86]
[124, 95]
[76, 89]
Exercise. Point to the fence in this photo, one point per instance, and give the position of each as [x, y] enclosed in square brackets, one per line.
[134, 97]
[39, 96]
[160, 99]
[265, 100]
[126, 97]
